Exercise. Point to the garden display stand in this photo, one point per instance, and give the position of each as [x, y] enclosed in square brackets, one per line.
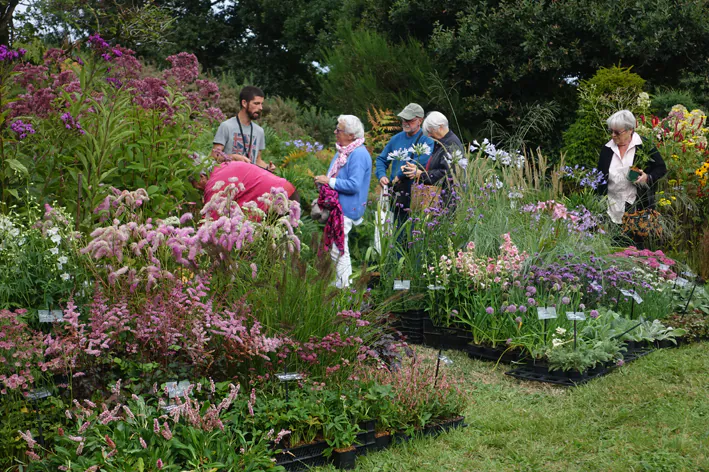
[304, 457]
[539, 371]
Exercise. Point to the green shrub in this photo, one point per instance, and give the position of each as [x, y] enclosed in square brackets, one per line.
[365, 69]
[609, 90]
[664, 99]
[289, 118]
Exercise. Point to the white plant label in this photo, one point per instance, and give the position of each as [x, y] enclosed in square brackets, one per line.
[445, 359]
[546, 313]
[575, 316]
[436, 287]
[38, 394]
[596, 287]
[289, 377]
[50, 316]
[177, 389]
[628, 293]
[402, 284]
[638, 299]
[169, 408]
[689, 273]
[681, 282]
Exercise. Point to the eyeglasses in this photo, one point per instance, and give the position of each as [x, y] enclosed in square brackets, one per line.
[338, 130]
[615, 132]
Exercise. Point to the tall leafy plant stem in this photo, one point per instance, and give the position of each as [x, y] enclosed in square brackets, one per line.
[440, 86]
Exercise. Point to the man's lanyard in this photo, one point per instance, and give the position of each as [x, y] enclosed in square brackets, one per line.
[243, 139]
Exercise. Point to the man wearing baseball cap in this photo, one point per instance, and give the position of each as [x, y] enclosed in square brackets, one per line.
[396, 151]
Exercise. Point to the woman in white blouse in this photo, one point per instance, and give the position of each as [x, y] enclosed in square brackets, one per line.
[627, 149]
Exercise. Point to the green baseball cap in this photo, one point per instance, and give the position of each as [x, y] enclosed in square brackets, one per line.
[411, 111]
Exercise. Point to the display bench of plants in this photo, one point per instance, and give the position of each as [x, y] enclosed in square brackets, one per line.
[512, 277]
[148, 374]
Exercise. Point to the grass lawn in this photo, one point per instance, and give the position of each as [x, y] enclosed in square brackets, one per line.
[650, 415]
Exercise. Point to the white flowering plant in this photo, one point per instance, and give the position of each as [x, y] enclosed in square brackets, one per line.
[400, 155]
[38, 259]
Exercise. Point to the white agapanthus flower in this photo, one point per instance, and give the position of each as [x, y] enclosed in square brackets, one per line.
[53, 231]
[65, 276]
[556, 342]
[420, 149]
[54, 250]
[399, 155]
[56, 239]
[63, 259]
[560, 331]
[457, 157]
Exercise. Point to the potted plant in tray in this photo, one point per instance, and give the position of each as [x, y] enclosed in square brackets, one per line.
[341, 434]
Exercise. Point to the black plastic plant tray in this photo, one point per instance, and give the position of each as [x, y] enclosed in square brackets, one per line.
[487, 353]
[305, 451]
[635, 354]
[537, 373]
[304, 463]
[438, 428]
[450, 338]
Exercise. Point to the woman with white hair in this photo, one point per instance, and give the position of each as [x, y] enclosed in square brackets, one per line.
[624, 151]
[344, 192]
[447, 149]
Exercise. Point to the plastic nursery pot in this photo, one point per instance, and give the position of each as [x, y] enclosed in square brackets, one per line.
[400, 437]
[344, 458]
[634, 173]
[382, 440]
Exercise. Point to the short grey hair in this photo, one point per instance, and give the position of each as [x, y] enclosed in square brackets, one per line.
[622, 119]
[353, 125]
[433, 121]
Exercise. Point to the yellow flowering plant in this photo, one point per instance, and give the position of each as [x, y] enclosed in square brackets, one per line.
[681, 138]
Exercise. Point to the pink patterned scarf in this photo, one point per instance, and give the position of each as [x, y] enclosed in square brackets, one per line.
[344, 153]
[335, 225]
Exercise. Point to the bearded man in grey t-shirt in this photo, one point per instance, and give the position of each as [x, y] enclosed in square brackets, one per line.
[239, 138]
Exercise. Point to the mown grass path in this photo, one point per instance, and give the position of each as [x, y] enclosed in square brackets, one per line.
[651, 415]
